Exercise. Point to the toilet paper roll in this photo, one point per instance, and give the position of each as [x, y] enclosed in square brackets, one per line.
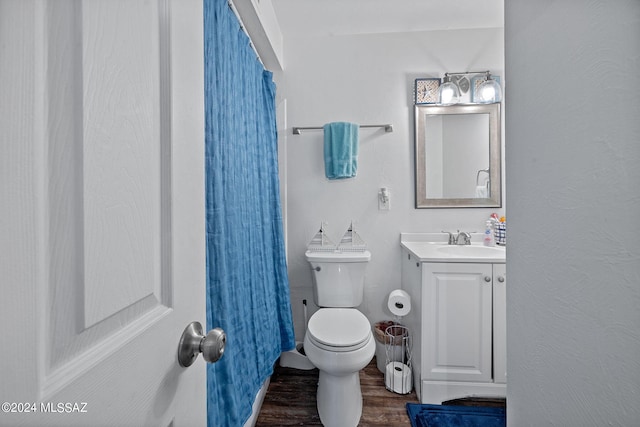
[398, 378]
[399, 302]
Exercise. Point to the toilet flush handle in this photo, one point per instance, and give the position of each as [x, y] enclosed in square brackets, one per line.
[194, 342]
[317, 268]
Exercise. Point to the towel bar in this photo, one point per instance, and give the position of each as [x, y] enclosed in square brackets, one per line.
[387, 128]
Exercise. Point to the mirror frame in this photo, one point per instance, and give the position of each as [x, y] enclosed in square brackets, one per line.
[495, 157]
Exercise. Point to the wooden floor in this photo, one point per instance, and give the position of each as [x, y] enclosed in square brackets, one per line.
[291, 400]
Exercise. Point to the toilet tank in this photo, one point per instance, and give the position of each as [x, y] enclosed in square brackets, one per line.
[338, 277]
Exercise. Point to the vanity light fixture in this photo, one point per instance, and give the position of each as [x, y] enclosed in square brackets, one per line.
[485, 88]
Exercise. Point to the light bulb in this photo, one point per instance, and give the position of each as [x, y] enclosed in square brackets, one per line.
[449, 93]
[489, 92]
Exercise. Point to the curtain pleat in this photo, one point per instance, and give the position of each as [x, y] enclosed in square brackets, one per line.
[247, 282]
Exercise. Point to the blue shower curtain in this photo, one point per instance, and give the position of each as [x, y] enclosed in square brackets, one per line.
[247, 283]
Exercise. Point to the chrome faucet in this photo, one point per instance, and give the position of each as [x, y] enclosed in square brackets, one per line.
[455, 240]
[466, 238]
[452, 239]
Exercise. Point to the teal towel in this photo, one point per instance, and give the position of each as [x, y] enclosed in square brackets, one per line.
[340, 150]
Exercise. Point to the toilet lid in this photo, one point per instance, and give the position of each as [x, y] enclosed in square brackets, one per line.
[339, 329]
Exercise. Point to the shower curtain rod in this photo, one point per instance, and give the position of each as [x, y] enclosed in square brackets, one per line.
[244, 29]
[387, 128]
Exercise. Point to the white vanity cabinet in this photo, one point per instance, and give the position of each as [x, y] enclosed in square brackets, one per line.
[458, 327]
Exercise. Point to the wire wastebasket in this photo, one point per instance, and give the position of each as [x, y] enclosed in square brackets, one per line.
[398, 375]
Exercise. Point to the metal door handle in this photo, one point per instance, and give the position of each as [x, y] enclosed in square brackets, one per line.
[194, 342]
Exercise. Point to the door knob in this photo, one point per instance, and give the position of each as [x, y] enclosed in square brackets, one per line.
[194, 342]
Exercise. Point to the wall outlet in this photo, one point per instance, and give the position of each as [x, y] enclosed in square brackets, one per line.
[384, 199]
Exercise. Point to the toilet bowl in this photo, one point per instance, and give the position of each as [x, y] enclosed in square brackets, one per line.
[339, 343]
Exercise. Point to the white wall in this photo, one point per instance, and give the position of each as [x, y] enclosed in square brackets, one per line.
[573, 174]
[367, 79]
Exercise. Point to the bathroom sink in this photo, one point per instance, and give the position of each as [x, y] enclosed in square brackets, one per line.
[433, 247]
[472, 251]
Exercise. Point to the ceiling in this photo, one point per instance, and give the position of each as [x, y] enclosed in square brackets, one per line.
[342, 17]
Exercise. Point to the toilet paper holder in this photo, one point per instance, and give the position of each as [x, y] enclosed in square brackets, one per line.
[398, 372]
[399, 303]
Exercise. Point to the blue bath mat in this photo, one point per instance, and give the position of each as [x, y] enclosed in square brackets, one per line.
[455, 416]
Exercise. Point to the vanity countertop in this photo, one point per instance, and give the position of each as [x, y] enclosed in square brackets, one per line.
[433, 247]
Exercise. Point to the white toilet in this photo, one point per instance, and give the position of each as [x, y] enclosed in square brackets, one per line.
[339, 341]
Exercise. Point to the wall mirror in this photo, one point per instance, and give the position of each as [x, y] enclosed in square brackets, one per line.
[458, 156]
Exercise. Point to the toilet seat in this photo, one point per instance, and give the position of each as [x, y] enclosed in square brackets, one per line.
[339, 329]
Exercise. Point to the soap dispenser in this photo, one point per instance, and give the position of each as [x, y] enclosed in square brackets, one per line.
[489, 240]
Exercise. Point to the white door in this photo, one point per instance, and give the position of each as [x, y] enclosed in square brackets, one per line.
[458, 300]
[102, 253]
